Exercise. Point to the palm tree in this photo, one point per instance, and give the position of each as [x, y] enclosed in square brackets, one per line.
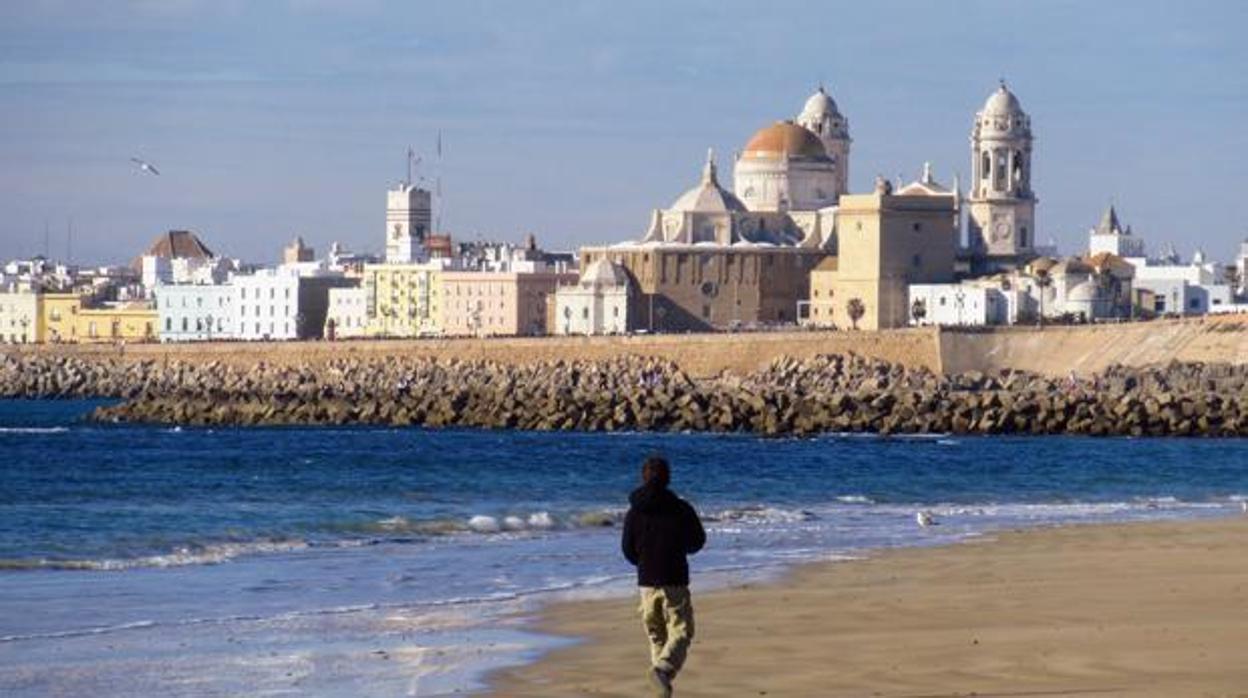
[1043, 280]
[918, 310]
[856, 310]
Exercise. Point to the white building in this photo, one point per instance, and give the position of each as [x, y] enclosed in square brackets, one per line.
[1241, 269]
[19, 317]
[283, 303]
[347, 317]
[597, 304]
[961, 304]
[195, 312]
[408, 221]
[1109, 236]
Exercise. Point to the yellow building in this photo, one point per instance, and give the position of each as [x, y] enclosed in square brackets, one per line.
[403, 300]
[885, 243]
[60, 316]
[67, 318]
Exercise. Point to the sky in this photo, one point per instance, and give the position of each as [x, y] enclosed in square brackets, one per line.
[572, 120]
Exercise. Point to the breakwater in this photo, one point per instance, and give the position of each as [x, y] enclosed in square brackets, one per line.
[827, 393]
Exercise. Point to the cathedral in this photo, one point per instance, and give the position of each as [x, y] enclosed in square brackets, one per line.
[720, 257]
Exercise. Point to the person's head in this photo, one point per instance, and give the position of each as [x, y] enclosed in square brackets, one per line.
[656, 471]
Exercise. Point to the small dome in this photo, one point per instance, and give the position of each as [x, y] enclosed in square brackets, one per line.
[604, 274]
[1002, 102]
[819, 104]
[707, 196]
[784, 140]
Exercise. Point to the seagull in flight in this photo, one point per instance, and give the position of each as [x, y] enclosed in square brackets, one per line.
[145, 166]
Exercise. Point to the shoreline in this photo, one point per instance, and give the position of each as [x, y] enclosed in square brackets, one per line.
[1149, 608]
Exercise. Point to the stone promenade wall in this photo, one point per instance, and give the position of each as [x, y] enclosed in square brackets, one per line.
[1051, 351]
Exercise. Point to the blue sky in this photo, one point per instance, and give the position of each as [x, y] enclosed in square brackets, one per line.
[572, 120]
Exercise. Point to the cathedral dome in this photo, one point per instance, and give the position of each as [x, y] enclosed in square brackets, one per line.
[1002, 102]
[785, 140]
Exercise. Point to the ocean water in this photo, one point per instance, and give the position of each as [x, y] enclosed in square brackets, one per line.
[139, 560]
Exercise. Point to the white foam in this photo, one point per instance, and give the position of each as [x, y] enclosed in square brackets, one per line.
[484, 524]
[541, 520]
[33, 430]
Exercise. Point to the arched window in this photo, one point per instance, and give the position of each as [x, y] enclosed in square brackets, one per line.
[985, 166]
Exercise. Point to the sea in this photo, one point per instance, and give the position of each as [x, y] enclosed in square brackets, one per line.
[350, 561]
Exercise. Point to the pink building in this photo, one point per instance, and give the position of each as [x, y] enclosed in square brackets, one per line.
[498, 303]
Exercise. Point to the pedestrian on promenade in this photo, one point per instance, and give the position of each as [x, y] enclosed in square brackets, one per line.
[660, 530]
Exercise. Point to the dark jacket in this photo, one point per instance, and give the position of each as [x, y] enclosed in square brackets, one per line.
[659, 531]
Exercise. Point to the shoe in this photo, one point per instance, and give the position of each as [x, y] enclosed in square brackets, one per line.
[661, 682]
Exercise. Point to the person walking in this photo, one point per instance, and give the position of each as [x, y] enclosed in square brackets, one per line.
[660, 531]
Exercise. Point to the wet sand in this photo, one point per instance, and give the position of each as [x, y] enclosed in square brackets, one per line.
[1154, 609]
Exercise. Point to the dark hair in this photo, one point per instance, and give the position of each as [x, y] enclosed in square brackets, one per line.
[655, 469]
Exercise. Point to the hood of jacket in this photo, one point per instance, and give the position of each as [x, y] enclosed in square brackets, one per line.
[653, 498]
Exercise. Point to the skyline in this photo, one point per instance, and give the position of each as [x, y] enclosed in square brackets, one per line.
[293, 118]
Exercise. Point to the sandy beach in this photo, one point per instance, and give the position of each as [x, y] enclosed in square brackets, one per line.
[1154, 609]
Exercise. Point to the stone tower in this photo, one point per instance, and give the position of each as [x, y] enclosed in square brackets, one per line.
[407, 223]
[821, 117]
[1002, 207]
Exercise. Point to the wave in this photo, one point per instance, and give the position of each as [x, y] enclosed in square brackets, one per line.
[33, 430]
[213, 554]
[759, 513]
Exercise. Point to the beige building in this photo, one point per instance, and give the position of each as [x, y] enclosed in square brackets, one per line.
[403, 300]
[682, 288]
[499, 303]
[297, 251]
[21, 321]
[886, 242]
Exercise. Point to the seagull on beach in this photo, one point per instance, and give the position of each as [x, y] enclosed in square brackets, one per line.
[145, 166]
[925, 519]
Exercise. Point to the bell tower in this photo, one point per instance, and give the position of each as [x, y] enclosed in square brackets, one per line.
[821, 117]
[1002, 206]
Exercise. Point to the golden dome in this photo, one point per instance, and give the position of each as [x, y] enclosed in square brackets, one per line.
[785, 139]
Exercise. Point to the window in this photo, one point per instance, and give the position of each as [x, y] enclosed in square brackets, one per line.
[184, 324]
[917, 227]
[917, 261]
[168, 324]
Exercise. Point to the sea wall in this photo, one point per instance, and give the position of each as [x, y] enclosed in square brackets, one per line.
[825, 393]
[1086, 349]
[1053, 351]
[700, 355]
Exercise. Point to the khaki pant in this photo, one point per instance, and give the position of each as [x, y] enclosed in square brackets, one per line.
[667, 616]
